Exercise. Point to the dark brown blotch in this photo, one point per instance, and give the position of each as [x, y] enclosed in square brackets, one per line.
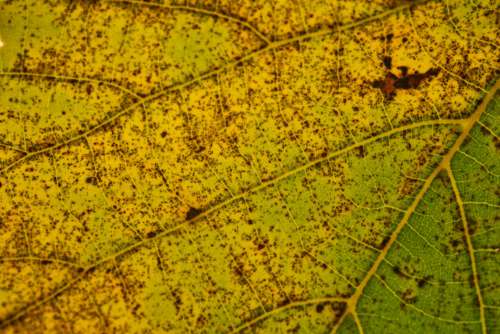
[193, 213]
[91, 180]
[387, 62]
[320, 308]
[391, 82]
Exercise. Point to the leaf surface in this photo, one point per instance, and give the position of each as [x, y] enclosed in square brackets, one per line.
[253, 166]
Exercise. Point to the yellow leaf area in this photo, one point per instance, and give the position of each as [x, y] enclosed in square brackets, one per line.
[252, 166]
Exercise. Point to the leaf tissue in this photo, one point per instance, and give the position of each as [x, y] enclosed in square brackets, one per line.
[249, 166]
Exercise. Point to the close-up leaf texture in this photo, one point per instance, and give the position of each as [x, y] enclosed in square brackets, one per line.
[249, 166]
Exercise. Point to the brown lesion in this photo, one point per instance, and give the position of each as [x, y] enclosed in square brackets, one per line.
[392, 82]
[193, 213]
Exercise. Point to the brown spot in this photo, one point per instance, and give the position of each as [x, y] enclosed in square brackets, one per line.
[473, 226]
[91, 269]
[386, 85]
[199, 149]
[91, 180]
[421, 282]
[387, 62]
[391, 83]
[177, 301]
[412, 81]
[384, 242]
[192, 213]
[398, 272]
[472, 280]
[409, 296]
[319, 308]
[201, 321]
[360, 151]
[496, 142]
[404, 70]
[455, 243]
[339, 309]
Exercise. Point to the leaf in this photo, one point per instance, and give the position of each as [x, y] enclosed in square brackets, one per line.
[212, 166]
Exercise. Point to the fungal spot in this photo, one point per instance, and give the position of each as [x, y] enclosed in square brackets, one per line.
[360, 151]
[91, 180]
[199, 149]
[391, 83]
[404, 70]
[319, 308]
[91, 269]
[421, 282]
[471, 280]
[409, 296]
[384, 242]
[192, 213]
[339, 309]
[398, 272]
[386, 85]
[387, 62]
[455, 243]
